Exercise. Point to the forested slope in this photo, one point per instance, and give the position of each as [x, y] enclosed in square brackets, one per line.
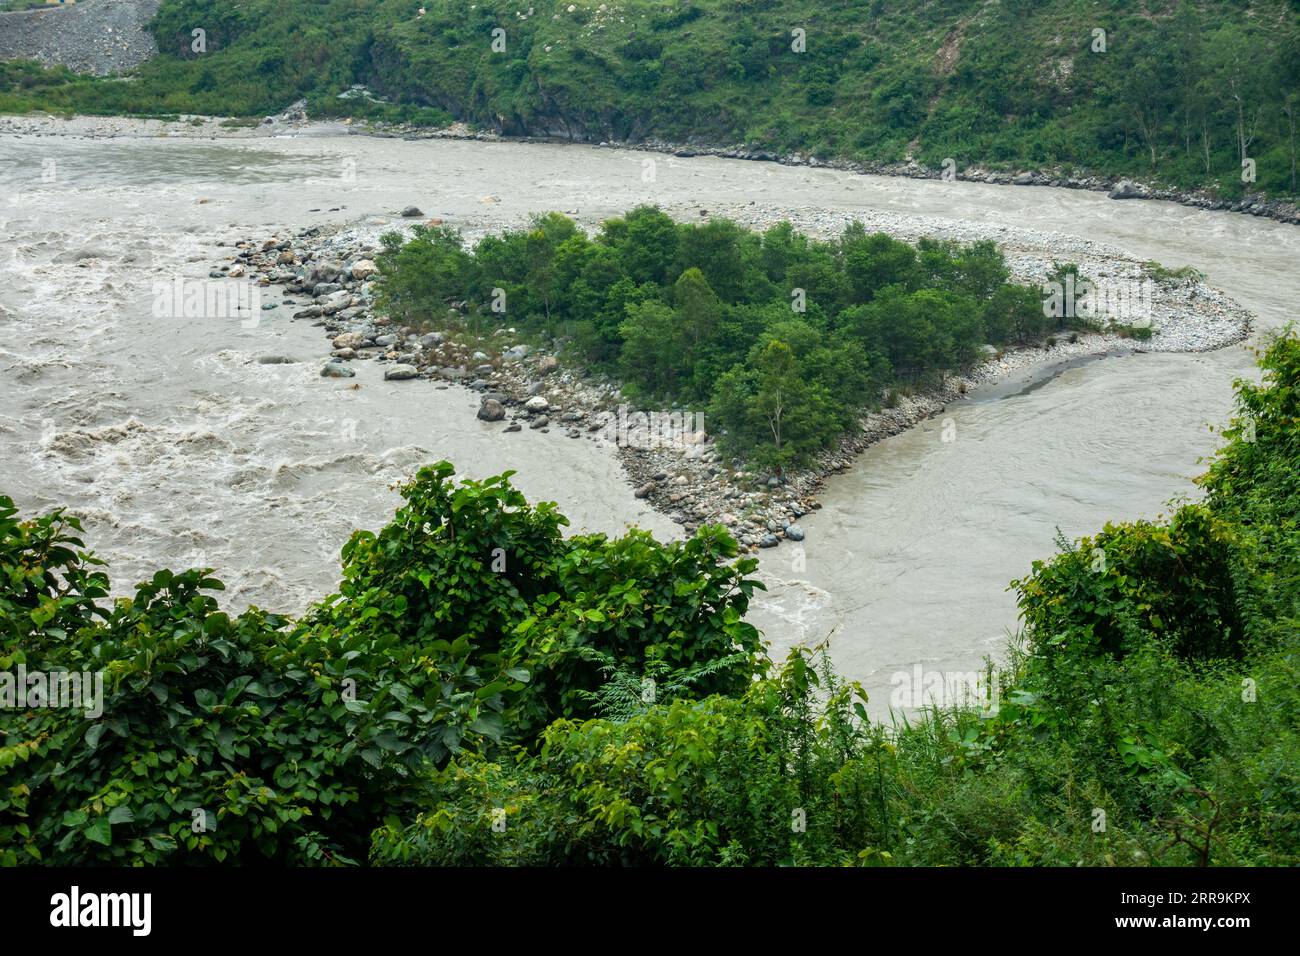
[1178, 91]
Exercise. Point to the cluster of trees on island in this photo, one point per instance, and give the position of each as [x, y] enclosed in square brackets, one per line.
[446, 708]
[783, 339]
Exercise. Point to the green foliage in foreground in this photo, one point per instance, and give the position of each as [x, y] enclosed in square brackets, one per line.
[438, 710]
[1153, 718]
[463, 627]
[784, 338]
[1180, 92]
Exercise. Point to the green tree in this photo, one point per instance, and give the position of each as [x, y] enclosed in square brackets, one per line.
[651, 336]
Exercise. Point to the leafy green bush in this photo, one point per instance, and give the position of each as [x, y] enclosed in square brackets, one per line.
[754, 779]
[219, 739]
[1153, 718]
[257, 738]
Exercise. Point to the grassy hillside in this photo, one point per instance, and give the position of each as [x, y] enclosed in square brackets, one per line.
[1182, 90]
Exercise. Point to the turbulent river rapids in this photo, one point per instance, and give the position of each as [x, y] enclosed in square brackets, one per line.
[177, 448]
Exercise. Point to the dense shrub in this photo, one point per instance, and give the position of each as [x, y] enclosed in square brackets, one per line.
[466, 624]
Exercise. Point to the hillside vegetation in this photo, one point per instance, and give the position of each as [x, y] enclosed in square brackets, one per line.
[1175, 91]
[482, 689]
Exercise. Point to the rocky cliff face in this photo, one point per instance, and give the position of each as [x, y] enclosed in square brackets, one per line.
[93, 36]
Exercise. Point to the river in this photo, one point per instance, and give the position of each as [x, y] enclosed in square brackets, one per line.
[178, 448]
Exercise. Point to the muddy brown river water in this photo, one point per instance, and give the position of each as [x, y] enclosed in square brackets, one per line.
[178, 448]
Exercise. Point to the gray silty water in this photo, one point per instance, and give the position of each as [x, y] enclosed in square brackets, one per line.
[174, 444]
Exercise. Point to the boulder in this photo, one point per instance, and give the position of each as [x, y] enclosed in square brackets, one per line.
[400, 372]
[412, 212]
[337, 370]
[363, 269]
[1127, 189]
[491, 410]
[348, 340]
[541, 421]
[794, 532]
[548, 364]
[537, 404]
[324, 271]
[335, 302]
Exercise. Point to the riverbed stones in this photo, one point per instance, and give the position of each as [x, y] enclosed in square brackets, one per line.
[412, 212]
[794, 532]
[541, 421]
[491, 410]
[336, 370]
[348, 340]
[400, 372]
[363, 269]
[537, 404]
